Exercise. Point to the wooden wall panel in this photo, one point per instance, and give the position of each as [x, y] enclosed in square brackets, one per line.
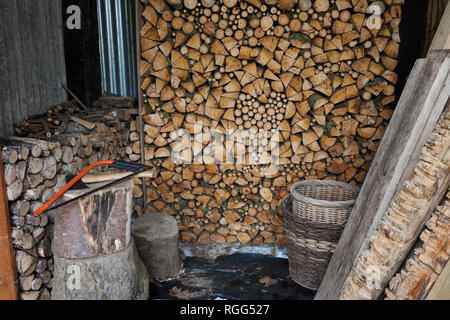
[32, 64]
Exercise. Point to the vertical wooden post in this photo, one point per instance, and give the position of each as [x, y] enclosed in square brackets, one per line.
[8, 271]
[139, 24]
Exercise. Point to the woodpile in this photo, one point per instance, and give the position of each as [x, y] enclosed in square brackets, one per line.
[36, 167]
[110, 128]
[416, 279]
[52, 122]
[32, 169]
[316, 76]
[401, 225]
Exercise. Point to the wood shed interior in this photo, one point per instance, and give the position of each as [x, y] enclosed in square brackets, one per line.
[226, 104]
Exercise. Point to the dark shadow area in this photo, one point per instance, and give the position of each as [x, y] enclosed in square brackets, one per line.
[235, 277]
[82, 52]
[412, 35]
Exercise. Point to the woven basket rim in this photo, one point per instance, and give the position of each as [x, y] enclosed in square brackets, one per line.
[324, 183]
[286, 206]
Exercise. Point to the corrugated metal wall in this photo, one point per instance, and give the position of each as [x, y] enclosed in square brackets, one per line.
[32, 64]
[117, 40]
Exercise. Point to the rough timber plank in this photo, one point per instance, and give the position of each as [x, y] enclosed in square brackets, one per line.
[416, 115]
[441, 289]
[8, 273]
[404, 220]
[139, 24]
[441, 39]
[30, 81]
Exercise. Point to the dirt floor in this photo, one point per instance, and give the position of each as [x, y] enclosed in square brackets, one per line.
[236, 277]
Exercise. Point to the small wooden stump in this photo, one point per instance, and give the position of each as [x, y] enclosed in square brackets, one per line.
[156, 237]
[97, 224]
[117, 276]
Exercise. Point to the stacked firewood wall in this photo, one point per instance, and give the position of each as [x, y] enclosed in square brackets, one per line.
[317, 76]
[36, 168]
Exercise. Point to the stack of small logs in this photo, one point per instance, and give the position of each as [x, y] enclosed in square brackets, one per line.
[45, 125]
[36, 168]
[318, 76]
[111, 128]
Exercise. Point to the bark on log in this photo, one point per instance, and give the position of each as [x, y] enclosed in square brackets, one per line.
[116, 276]
[95, 225]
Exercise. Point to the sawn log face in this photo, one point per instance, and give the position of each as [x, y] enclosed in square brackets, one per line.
[96, 225]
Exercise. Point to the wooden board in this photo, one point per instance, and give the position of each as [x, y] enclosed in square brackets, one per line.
[441, 289]
[140, 120]
[30, 27]
[8, 271]
[416, 115]
[441, 39]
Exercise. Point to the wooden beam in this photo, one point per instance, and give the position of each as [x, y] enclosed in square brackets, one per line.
[420, 106]
[8, 271]
[139, 23]
[441, 39]
[441, 289]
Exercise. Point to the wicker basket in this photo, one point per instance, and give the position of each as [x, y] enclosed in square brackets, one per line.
[314, 216]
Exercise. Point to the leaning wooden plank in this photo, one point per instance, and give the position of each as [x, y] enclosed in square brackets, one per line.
[441, 39]
[441, 289]
[404, 220]
[8, 271]
[416, 115]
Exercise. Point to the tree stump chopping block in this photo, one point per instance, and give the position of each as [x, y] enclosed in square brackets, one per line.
[116, 276]
[95, 225]
[156, 237]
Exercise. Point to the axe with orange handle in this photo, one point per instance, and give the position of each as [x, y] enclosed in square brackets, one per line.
[135, 168]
